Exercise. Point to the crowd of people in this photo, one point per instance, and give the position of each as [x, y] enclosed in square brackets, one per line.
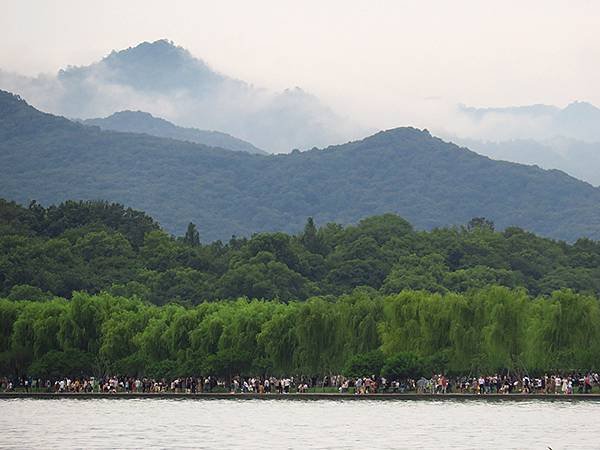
[507, 384]
[567, 384]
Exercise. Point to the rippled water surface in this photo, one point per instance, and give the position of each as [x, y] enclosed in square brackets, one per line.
[256, 424]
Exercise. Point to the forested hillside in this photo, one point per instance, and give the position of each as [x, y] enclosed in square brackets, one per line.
[404, 171]
[142, 122]
[577, 158]
[96, 246]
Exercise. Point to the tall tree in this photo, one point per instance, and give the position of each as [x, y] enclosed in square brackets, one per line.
[310, 239]
[192, 236]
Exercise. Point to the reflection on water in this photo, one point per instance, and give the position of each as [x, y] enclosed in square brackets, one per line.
[255, 424]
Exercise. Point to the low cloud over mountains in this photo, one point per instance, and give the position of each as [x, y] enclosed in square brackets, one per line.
[169, 82]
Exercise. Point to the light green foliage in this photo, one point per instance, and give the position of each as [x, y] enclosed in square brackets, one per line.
[412, 333]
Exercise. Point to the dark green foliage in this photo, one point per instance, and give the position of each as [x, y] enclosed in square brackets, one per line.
[403, 365]
[81, 215]
[365, 364]
[59, 364]
[311, 240]
[95, 246]
[26, 292]
[404, 171]
[480, 222]
[192, 236]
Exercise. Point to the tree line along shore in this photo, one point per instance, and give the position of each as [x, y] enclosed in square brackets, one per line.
[409, 334]
[97, 288]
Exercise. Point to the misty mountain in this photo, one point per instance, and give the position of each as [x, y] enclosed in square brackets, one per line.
[167, 81]
[406, 171]
[577, 158]
[142, 122]
[566, 139]
[578, 120]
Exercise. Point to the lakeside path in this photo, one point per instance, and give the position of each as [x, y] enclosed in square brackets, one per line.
[295, 396]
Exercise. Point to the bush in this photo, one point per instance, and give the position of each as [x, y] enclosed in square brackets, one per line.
[365, 364]
[57, 364]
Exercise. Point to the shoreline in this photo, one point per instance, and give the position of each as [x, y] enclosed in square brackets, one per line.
[296, 396]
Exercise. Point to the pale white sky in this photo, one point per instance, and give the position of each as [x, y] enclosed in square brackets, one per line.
[381, 62]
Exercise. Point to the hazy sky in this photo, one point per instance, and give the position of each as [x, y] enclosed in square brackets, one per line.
[383, 62]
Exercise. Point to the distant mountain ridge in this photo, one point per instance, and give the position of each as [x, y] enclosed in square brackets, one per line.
[579, 120]
[167, 81]
[405, 171]
[566, 138]
[577, 158]
[143, 122]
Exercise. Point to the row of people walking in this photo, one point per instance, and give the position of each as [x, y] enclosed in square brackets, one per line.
[567, 384]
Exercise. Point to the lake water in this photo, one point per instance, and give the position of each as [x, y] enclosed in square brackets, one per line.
[284, 424]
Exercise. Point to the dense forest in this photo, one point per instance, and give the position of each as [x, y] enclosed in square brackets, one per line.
[97, 246]
[403, 335]
[93, 287]
[404, 171]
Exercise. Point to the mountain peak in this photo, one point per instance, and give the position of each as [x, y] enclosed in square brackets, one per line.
[17, 116]
[581, 107]
[159, 66]
[165, 79]
[8, 98]
[161, 50]
[128, 120]
[13, 104]
[399, 134]
[128, 113]
[144, 122]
